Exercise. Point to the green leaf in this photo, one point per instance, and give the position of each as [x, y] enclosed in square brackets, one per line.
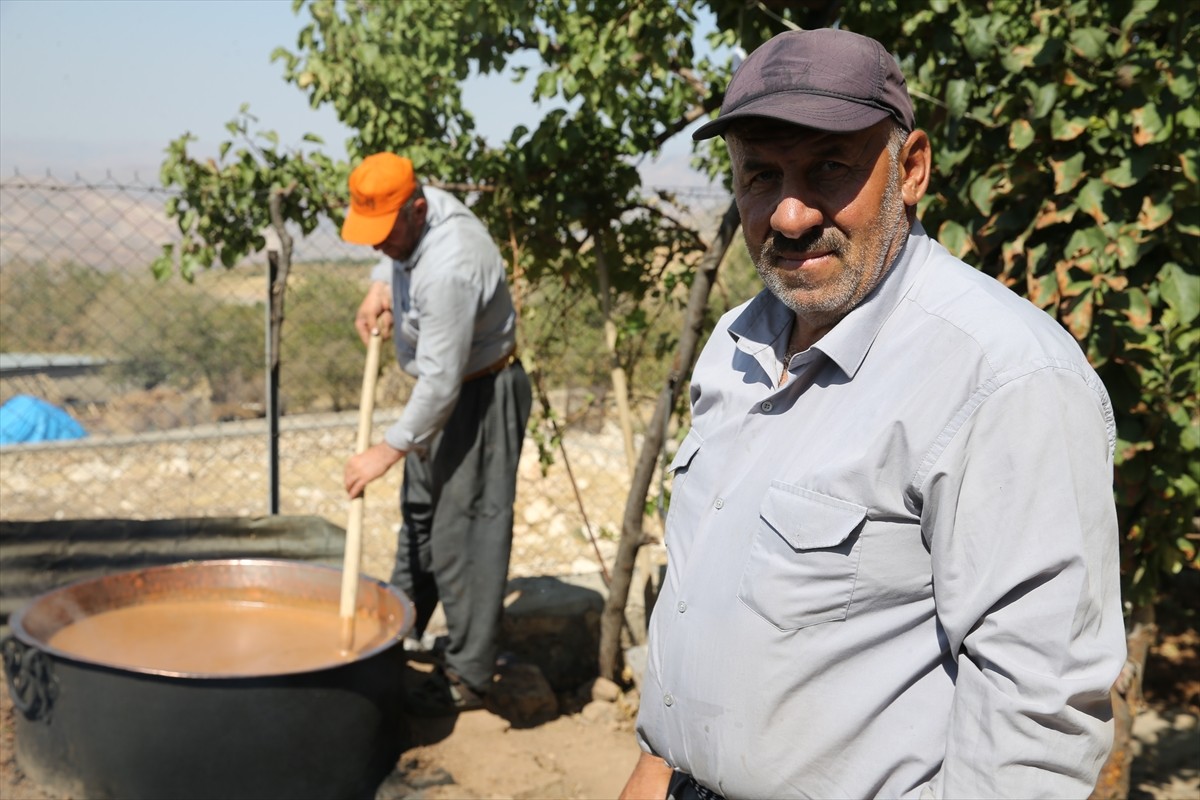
[1088, 42]
[958, 97]
[163, 265]
[547, 85]
[1065, 129]
[1153, 215]
[1147, 124]
[1181, 292]
[978, 39]
[981, 193]
[1127, 250]
[1043, 292]
[1091, 200]
[1067, 174]
[1019, 57]
[1086, 240]
[1044, 99]
[1138, 309]
[1020, 134]
[1189, 117]
[1078, 314]
[1129, 170]
[1189, 165]
[1141, 9]
[1183, 85]
[954, 237]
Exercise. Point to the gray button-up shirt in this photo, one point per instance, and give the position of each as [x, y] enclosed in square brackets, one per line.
[896, 574]
[453, 314]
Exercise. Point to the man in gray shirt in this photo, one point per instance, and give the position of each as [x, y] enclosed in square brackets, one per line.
[892, 540]
[441, 285]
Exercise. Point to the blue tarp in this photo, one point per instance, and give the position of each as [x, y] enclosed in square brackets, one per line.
[27, 419]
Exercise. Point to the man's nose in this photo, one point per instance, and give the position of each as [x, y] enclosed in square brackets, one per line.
[794, 217]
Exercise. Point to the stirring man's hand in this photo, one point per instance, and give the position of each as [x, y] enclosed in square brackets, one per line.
[368, 465]
[375, 312]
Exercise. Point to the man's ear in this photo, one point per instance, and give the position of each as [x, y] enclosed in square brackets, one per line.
[420, 211]
[916, 162]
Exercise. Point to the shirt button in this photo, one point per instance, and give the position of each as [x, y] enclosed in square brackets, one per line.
[767, 405]
[720, 503]
[668, 700]
[682, 606]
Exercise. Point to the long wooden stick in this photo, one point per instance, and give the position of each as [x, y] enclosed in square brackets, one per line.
[353, 558]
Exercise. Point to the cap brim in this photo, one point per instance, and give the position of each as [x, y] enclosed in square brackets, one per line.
[361, 229]
[806, 110]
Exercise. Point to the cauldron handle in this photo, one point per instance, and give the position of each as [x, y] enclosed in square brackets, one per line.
[31, 680]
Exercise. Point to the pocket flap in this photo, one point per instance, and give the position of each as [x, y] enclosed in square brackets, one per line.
[687, 448]
[808, 520]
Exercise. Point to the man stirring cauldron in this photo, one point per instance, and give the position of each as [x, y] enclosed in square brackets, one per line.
[441, 288]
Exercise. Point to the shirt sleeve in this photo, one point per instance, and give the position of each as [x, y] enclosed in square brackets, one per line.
[1022, 529]
[448, 306]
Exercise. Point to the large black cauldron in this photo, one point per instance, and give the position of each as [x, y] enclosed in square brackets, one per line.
[88, 729]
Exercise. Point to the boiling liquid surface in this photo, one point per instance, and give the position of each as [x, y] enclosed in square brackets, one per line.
[217, 637]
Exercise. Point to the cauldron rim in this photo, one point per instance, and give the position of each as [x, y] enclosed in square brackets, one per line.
[20, 632]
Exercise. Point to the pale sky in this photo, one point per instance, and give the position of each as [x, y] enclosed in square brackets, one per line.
[96, 86]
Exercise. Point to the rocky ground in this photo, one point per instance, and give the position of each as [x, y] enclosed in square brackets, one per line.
[567, 515]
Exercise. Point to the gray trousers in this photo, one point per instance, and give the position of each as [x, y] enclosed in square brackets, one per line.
[456, 504]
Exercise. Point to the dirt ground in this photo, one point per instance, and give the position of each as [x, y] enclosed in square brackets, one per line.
[476, 755]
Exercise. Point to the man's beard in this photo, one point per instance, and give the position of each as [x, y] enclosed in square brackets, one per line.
[834, 297]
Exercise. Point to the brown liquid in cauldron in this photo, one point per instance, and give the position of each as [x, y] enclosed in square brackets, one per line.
[215, 637]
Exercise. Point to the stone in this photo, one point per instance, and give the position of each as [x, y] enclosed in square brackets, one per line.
[603, 689]
[555, 624]
[598, 712]
[521, 694]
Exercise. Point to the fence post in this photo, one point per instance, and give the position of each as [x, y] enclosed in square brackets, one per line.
[272, 392]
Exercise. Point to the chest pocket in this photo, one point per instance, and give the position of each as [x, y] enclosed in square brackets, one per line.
[678, 470]
[683, 456]
[803, 560]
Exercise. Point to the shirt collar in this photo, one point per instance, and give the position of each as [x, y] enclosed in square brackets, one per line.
[766, 320]
[436, 214]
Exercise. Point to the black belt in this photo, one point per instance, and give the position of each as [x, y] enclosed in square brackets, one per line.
[702, 791]
[684, 787]
[500, 365]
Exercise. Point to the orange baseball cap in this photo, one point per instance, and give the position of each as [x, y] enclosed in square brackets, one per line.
[379, 186]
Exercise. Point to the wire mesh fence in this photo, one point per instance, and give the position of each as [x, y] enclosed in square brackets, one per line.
[167, 380]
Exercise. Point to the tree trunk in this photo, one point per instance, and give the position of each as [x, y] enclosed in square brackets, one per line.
[1114, 780]
[635, 504]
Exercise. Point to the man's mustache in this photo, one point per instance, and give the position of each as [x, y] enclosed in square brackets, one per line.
[817, 241]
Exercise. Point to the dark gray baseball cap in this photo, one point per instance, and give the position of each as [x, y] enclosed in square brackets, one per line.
[826, 79]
